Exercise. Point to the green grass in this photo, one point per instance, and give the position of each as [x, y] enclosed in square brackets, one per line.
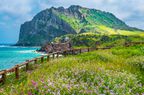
[90, 39]
[115, 71]
[74, 23]
[97, 27]
[110, 31]
[98, 22]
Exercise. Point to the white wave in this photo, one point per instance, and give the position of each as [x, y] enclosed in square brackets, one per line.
[41, 53]
[31, 51]
[4, 46]
[26, 51]
[9, 46]
[19, 46]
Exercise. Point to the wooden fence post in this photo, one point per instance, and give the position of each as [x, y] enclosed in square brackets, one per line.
[17, 71]
[72, 51]
[64, 53]
[4, 77]
[27, 65]
[80, 51]
[42, 59]
[47, 58]
[53, 55]
[35, 61]
[88, 49]
[57, 54]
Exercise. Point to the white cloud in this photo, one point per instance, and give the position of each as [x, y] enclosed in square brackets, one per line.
[16, 7]
[121, 8]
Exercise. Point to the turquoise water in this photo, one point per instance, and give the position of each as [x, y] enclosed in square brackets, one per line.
[11, 55]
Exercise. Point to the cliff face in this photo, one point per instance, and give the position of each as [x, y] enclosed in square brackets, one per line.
[43, 28]
[55, 22]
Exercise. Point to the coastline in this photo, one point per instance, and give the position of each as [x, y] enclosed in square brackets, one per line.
[13, 55]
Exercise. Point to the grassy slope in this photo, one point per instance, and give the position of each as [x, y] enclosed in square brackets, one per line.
[97, 28]
[98, 22]
[90, 39]
[119, 70]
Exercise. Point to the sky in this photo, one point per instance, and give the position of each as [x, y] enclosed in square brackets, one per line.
[13, 13]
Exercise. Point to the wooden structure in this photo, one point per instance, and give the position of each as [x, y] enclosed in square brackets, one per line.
[127, 44]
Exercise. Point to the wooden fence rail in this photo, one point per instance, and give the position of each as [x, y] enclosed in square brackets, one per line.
[127, 44]
[16, 69]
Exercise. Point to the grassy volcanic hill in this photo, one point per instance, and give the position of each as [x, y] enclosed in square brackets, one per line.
[55, 22]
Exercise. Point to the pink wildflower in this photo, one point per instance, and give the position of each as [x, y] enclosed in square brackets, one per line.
[34, 83]
[29, 93]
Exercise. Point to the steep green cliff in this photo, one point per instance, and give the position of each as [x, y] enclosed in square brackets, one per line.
[55, 22]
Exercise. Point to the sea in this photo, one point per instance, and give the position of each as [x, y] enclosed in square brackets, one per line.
[13, 55]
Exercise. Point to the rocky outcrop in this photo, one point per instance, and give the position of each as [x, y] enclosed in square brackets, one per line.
[55, 47]
[43, 28]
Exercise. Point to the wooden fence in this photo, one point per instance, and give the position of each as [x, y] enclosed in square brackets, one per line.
[16, 69]
[127, 44]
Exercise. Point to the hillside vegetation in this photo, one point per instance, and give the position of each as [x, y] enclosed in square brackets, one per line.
[117, 71]
[96, 21]
[94, 40]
